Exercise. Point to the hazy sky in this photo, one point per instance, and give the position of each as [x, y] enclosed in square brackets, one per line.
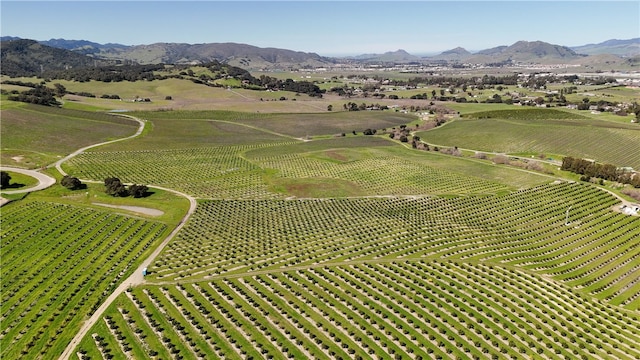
[326, 27]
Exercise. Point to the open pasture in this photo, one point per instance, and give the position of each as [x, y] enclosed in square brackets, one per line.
[535, 132]
[59, 263]
[34, 136]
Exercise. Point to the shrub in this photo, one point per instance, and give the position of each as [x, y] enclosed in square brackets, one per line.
[71, 182]
[632, 193]
[138, 191]
[500, 159]
[114, 187]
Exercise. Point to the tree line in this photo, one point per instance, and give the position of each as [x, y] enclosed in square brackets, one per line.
[590, 169]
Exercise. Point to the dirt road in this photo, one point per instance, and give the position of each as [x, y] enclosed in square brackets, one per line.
[44, 181]
[135, 279]
[58, 164]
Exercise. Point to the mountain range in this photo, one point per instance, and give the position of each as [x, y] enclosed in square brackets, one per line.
[252, 57]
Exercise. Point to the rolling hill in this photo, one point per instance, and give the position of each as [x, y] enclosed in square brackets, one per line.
[624, 48]
[253, 57]
[28, 57]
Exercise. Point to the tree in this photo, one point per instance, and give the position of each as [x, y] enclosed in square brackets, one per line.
[114, 187]
[329, 107]
[5, 179]
[71, 182]
[138, 191]
[59, 89]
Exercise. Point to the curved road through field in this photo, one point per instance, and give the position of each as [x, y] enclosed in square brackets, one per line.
[135, 278]
[44, 181]
[58, 164]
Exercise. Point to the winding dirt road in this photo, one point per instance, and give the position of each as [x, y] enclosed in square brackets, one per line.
[44, 181]
[136, 278]
[58, 164]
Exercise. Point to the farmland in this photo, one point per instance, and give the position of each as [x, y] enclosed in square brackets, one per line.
[522, 131]
[48, 133]
[312, 240]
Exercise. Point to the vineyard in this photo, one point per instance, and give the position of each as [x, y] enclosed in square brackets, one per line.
[241, 172]
[428, 277]
[555, 133]
[396, 309]
[76, 257]
[341, 247]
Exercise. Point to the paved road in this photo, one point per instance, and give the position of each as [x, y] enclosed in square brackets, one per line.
[44, 181]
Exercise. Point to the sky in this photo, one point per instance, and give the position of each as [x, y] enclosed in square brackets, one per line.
[329, 28]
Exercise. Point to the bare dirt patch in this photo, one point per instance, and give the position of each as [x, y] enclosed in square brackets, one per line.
[137, 209]
[17, 158]
[336, 155]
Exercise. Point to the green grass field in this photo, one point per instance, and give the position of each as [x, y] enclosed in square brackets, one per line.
[21, 181]
[339, 247]
[545, 132]
[35, 136]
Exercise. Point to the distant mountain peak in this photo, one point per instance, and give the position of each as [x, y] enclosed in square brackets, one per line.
[459, 51]
[399, 55]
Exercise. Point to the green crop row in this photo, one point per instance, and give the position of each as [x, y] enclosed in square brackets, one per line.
[527, 229]
[567, 136]
[393, 309]
[76, 257]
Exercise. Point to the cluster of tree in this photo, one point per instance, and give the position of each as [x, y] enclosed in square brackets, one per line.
[113, 73]
[84, 94]
[217, 71]
[21, 83]
[479, 82]
[40, 95]
[5, 179]
[115, 187]
[590, 169]
[270, 83]
[401, 133]
[351, 106]
[72, 183]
